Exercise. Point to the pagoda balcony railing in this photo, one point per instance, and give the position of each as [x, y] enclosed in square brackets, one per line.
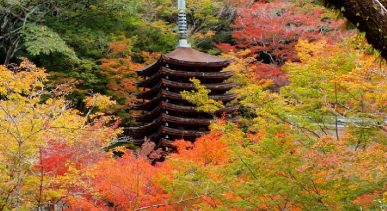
[179, 73]
[146, 128]
[182, 132]
[186, 121]
[214, 86]
[188, 109]
[177, 96]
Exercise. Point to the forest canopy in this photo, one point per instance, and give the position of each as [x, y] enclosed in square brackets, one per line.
[310, 86]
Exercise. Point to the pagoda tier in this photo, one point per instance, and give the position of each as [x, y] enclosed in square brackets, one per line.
[165, 115]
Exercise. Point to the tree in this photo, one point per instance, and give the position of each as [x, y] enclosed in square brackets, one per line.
[205, 18]
[270, 30]
[201, 99]
[273, 168]
[125, 183]
[30, 117]
[22, 30]
[369, 16]
[284, 160]
[324, 90]
[119, 70]
[72, 38]
[195, 176]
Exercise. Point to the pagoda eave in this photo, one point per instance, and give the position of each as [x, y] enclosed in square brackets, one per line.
[186, 74]
[151, 93]
[177, 96]
[189, 86]
[149, 105]
[167, 143]
[194, 64]
[182, 133]
[155, 137]
[194, 58]
[149, 82]
[150, 69]
[145, 128]
[185, 121]
[189, 109]
[149, 116]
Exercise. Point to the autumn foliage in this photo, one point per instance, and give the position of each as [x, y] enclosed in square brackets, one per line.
[119, 69]
[317, 142]
[43, 138]
[125, 183]
[270, 30]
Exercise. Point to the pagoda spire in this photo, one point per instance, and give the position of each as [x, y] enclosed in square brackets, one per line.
[182, 25]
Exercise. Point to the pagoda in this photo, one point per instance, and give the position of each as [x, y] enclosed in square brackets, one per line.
[165, 115]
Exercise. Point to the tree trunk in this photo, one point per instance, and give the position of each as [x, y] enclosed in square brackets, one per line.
[19, 175]
[8, 56]
[369, 16]
[11, 51]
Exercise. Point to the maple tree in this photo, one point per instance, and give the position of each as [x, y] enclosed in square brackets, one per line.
[270, 30]
[284, 157]
[332, 84]
[274, 160]
[317, 143]
[64, 164]
[273, 168]
[358, 13]
[31, 117]
[124, 183]
[119, 69]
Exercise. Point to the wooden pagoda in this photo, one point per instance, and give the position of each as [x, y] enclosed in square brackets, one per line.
[166, 116]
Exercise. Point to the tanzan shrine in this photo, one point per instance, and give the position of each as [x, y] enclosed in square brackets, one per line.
[165, 115]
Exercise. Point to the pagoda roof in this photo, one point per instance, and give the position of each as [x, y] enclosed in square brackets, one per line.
[150, 69]
[151, 93]
[149, 82]
[149, 105]
[185, 57]
[190, 56]
[148, 116]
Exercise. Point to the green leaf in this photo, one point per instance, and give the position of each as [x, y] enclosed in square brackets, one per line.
[41, 40]
[201, 99]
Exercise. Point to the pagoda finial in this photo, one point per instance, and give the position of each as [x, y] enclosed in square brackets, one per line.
[182, 25]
